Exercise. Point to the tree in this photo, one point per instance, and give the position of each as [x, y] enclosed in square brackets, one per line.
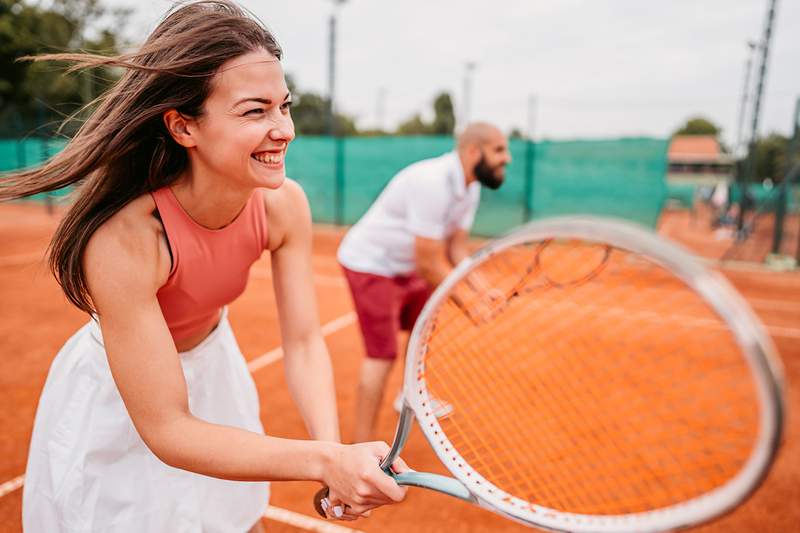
[32, 93]
[516, 133]
[699, 126]
[444, 120]
[414, 126]
[771, 153]
[310, 113]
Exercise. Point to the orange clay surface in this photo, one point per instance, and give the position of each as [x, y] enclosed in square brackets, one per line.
[35, 320]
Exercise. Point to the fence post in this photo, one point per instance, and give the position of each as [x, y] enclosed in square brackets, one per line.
[339, 179]
[529, 169]
[780, 209]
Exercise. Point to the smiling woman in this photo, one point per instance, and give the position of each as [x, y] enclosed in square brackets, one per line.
[149, 420]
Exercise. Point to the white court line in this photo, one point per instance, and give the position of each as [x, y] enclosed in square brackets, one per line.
[21, 259]
[276, 353]
[305, 522]
[777, 331]
[319, 279]
[10, 486]
[655, 316]
[774, 305]
[277, 514]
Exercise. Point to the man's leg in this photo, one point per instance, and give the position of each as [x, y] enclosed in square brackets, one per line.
[376, 302]
[371, 384]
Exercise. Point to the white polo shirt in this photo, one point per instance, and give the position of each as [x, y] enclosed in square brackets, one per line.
[426, 199]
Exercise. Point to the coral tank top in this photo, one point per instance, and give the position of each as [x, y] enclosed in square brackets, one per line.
[210, 267]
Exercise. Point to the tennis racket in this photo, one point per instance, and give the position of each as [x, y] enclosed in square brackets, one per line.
[635, 392]
[551, 263]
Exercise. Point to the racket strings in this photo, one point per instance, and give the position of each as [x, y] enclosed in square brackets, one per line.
[594, 397]
[492, 443]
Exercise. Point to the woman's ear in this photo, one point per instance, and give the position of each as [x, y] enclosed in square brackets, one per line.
[178, 126]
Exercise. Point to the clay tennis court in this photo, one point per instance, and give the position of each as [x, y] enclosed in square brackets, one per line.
[35, 320]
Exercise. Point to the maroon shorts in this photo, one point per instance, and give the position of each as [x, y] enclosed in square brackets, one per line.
[384, 306]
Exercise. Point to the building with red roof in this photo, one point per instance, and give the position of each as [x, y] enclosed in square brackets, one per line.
[698, 159]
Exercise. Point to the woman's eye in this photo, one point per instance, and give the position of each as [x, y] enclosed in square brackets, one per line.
[286, 105]
[257, 111]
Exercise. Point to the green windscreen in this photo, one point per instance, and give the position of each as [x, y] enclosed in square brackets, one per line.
[342, 177]
[622, 178]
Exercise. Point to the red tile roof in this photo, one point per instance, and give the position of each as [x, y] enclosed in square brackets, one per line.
[696, 148]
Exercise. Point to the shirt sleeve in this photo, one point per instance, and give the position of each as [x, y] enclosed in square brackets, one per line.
[427, 210]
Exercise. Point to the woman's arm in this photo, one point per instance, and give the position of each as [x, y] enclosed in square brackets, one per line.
[308, 365]
[126, 262]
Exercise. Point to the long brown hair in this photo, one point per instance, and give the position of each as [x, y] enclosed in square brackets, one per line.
[124, 150]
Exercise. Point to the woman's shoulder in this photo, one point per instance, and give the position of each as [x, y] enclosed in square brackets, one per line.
[135, 220]
[287, 211]
[131, 238]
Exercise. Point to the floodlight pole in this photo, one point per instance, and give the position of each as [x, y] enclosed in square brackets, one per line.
[748, 68]
[469, 67]
[338, 166]
[750, 166]
[529, 158]
[332, 67]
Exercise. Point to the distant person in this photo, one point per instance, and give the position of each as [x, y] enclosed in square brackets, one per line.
[719, 203]
[407, 243]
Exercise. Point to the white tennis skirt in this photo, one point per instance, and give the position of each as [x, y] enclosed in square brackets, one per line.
[89, 471]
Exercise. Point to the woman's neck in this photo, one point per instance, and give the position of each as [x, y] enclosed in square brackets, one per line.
[213, 203]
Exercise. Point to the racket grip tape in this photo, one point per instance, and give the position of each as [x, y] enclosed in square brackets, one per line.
[318, 497]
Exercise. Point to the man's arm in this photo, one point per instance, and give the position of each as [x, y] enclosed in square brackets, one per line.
[431, 256]
[457, 247]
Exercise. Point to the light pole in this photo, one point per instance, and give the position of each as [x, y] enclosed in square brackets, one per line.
[338, 160]
[529, 159]
[750, 163]
[332, 67]
[380, 109]
[751, 49]
[469, 67]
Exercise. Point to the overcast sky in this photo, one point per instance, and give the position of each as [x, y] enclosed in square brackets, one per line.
[598, 68]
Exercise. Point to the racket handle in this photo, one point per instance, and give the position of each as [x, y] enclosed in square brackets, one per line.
[318, 497]
[443, 484]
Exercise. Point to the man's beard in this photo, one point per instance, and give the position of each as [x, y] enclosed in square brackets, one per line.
[486, 175]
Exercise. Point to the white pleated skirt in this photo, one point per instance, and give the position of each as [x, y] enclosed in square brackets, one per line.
[90, 472]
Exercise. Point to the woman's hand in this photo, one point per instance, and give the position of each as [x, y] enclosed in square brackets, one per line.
[356, 484]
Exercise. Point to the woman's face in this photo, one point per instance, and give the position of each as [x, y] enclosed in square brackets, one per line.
[246, 126]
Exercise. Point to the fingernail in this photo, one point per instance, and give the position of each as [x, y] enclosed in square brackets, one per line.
[337, 511]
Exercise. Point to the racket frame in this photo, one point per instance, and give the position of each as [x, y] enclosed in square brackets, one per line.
[750, 335]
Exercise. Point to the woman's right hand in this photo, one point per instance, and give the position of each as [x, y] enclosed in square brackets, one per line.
[356, 484]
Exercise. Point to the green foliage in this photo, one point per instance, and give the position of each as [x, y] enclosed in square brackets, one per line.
[699, 126]
[34, 93]
[310, 114]
[373, 132]
[444, 120]
[414, 126]
[771, 153]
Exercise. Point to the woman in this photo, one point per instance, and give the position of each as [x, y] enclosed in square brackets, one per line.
[149, 418]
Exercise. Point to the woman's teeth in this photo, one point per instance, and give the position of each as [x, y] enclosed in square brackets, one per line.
[269, 159]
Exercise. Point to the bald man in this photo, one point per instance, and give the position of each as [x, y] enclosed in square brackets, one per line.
[407, 243]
